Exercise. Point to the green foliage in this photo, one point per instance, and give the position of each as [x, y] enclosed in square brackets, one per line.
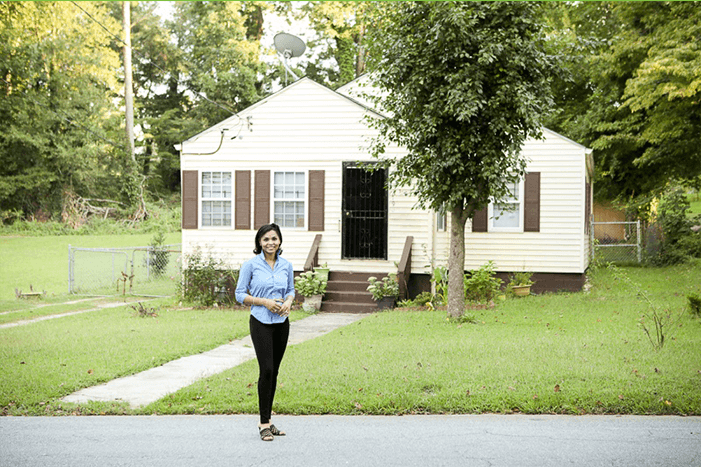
[308, 283]
[440, 279]
[59, 81]
[422, 299]
[207, 280]
[678, 242]
[158, 255]
[632, 90]
[521, 278]
[481, 285]
[694, 304]
[387, 287]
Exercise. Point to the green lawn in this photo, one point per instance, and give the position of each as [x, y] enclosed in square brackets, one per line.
[553, 353]
[42, 262]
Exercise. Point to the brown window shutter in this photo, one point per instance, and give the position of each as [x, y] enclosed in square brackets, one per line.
[243, 200]
[479, 220]
[189, 204]
[261, 199]
[316, 200]
[531, 213]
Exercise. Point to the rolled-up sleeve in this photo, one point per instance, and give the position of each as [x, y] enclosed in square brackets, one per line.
[244, 282]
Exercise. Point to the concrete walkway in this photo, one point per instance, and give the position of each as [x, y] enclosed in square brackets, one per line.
[144, 388]
[100, 306]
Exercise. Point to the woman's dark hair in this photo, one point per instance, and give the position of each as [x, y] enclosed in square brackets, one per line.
[264, 230]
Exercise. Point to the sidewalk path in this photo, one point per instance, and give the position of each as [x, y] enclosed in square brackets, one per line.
[144, 388]
[328, 440]
[100, 306]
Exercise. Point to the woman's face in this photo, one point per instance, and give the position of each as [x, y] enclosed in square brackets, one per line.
[270, 242]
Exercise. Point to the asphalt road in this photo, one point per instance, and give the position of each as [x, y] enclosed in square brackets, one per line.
[452, 440]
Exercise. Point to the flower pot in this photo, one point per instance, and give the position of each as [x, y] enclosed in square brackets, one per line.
[386, 303]
[312, 304]
[521, 290]
[322, 273]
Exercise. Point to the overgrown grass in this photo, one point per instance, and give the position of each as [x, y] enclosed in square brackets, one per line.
[42, 262]
[43, 362]
[559, 353]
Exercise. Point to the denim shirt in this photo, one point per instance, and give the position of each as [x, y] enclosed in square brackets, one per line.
[257, 279]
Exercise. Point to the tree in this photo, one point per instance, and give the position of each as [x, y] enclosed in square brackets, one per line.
[342, 27]
[636, 104]
[58, 84]
[466, 84]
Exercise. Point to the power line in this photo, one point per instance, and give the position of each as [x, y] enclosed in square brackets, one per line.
[136, 52]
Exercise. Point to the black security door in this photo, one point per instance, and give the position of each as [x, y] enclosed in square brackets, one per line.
[364, 213]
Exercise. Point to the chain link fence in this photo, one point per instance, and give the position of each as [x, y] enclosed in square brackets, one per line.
[617, 242]
[146, 271]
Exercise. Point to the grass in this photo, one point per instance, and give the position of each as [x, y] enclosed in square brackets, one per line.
[42, 262]
[552, 353]
[45, 361]
[560, 353]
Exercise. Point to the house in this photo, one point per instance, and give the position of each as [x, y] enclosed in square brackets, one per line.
[292, 159]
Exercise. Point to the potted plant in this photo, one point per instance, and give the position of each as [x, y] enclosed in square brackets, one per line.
[521, 283]
[312, 288]
[322, 272]
[384, 292]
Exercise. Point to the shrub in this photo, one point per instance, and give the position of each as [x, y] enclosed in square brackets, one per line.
[207, 280]
[158, 254]
[421, 299]
[672, 240]
[694, 304]
[481, 285]
[440, 279]
[387, 287]
[308, 284]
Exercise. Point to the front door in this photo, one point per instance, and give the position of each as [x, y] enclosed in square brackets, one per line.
[364, 213]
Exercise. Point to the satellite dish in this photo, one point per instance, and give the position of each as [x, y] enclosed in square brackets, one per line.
[289, 46]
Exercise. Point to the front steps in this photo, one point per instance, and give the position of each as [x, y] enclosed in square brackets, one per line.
[347, 293]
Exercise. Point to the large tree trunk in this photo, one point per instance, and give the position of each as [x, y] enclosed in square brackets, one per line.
[456, 262]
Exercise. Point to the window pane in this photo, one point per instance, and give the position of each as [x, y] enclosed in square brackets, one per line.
[506, 215]
[206, 178]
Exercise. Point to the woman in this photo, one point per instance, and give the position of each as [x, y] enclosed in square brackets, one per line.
[266, 282]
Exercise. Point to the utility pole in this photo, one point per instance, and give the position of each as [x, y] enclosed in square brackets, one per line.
[128, 88]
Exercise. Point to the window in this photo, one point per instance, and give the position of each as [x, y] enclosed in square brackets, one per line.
[507, 215]
[288, 199]
[441, 219]
[216, 199]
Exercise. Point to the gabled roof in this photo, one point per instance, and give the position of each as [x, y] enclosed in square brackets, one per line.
[234, 119]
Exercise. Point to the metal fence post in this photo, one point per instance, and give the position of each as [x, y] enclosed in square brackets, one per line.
[640, 243]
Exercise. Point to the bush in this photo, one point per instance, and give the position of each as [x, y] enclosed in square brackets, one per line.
[207, 281]
[481, 285]
[670, 240]
[440, 278]
[694, 304]
[308, 284]
[421, 299]
[387, 287]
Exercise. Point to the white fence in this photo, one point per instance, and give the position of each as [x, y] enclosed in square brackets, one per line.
[145, 271]
[617, 242]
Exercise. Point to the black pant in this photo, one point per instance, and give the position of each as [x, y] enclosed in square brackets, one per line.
[270, 342]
